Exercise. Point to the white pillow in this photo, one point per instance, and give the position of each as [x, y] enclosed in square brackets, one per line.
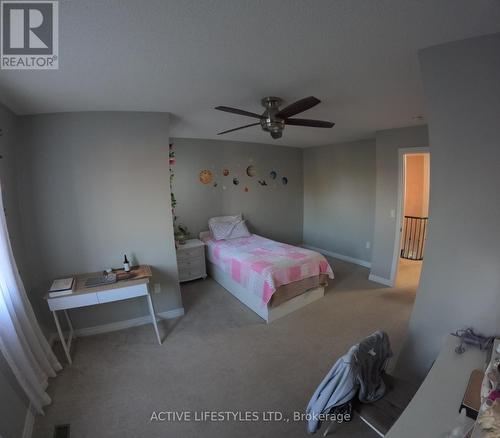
[240, 230]
[234, 217]
[228, 227]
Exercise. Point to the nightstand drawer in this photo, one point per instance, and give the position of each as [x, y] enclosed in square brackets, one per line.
[191, 260]
[190, 253]
[191, 273]
[190, 263]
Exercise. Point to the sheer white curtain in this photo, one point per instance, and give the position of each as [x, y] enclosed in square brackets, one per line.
[21, 341]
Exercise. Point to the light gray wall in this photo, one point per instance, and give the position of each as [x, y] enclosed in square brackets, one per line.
[273, 211]
[339, 197]
[13, 402]
[386, 198]
[94, 186]
[460, 283]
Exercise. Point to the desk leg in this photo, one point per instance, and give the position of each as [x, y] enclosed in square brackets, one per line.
[153, 317]
[68, 321]
[71, 334]
[61, 337]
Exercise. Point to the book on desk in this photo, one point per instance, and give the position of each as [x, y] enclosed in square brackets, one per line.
[61, 287]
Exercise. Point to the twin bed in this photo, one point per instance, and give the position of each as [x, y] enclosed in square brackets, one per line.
[271, 278]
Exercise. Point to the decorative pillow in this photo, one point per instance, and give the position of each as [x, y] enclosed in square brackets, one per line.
[234, 217]
[220, 230]
[240, 230]
[228, 227]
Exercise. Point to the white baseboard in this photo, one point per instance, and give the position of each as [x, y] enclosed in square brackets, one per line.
[381, 280]
[120, 325]
[343, 257]
[29, 422]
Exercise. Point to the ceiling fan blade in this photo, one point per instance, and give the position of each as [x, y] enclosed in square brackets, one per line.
[228, 109]
[241, 127]
[298, 107]
[309, 122]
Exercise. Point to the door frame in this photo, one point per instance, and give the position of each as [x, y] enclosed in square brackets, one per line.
[399, 210]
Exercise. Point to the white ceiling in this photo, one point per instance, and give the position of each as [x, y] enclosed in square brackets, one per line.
[187, 56]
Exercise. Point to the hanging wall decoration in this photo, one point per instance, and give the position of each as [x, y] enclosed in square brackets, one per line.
[284, 180]
[236, 181]
[246, 189]
[251, 171]
[206, 176]
[273, 174]
[262, 182]
[171, 162]
[180, 231]
[225, 172]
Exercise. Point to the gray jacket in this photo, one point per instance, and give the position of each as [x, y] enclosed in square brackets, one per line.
[357, 372]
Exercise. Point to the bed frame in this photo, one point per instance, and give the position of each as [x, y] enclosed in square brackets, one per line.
[254, 302]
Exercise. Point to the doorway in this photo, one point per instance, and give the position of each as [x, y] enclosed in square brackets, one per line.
[413, 213]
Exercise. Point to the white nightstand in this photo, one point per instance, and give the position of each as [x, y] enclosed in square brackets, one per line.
[191, 260]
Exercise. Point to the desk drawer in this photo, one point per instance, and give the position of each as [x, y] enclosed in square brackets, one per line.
[72, 301]
[107, 296]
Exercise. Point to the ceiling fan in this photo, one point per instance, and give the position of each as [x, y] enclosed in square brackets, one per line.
[273, 120]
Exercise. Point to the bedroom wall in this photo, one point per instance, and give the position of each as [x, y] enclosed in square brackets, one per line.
[388, 143]
[460, 282]
[274, 211]
[94, 186]
[13, 402]
[339, 198]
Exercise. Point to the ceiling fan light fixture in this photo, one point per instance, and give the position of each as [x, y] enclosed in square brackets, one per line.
[274, 119]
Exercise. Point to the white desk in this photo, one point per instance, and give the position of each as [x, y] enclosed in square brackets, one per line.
[434, 408]
[89, 296]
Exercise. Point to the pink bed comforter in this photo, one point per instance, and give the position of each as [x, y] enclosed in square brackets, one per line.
[263, 265]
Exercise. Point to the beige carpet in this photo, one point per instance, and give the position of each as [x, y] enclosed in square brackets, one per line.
[221, 357]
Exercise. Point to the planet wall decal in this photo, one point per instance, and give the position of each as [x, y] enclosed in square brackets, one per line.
[236, 181]
[262, 182]
[206, 176]
[225, 172]
[251, 171]
[284, 180]
[273, 174]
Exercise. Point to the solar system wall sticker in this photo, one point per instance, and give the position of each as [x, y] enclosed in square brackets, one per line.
[242, 176]
[206, 176]
[251, 171]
